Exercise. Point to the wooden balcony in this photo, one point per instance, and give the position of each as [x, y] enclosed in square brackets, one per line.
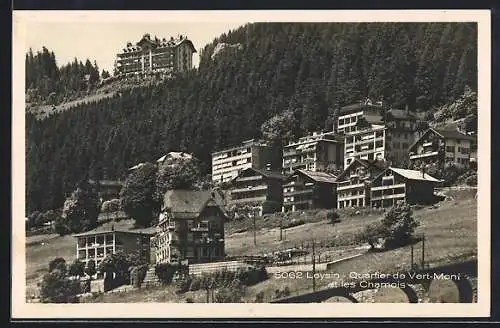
[350, 186]
[297, 192]
[397, 196]
[392, 186]
[422, 155]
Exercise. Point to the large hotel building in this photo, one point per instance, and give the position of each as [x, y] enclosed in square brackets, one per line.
[151, 55]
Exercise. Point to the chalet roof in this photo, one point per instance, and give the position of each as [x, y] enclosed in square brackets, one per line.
[319, 176]
[414, 174]
[136, 166]
[186, 201]
[264, 172]
[102, 232]
[453, 134]
[377, 165]
[357, 107]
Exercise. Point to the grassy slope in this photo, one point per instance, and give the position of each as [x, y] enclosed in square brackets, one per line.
[451, 236]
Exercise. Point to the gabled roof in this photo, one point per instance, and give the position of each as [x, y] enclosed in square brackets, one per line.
[402, 114]
[136, 166]
[264, 172]
[447, 134]
[377, 165]
[102, 232]
[174, 155]
[318, 176]
[358, 107]
[190, 202]
[453, 134]
[413, 174]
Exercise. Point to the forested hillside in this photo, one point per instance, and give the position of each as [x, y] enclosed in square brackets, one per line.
[309, 69]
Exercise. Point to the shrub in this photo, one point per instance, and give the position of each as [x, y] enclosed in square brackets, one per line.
[182, 283]
[195, 284]
[166, 271]
[230, 294]
[371, 234]
[77, 268]
[137, 275]
[252, 276]
[259, 298]
[90, 269]
[57, 288]
[398, 225]
[58, 263]
[332, 216]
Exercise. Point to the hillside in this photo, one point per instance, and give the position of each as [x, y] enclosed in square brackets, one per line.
[310, 69]
[450, 230]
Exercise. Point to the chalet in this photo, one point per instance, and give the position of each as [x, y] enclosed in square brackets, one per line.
[442, 146]
[96, 245]
[190, 227]
[409, 186]
[307, 190]
[353, 184]
[108, 189]
[259, 188]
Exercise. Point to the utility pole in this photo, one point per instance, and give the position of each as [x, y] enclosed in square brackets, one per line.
[314, 267]
[423, 251]
[254, 228]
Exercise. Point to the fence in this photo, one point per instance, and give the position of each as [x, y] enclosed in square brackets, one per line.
[200, 268]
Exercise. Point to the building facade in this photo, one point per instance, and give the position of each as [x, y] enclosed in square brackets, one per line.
[259, 188]
[443, 146]
[227, 163]
[348, 117]
[395, 185]
[353, 184]
[96, 245]
[380, 136]
[191, 227]
[151, 55]
[317, 152]
[308, 190]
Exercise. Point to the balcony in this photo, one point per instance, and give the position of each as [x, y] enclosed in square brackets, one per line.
[340, 198]
[199, 229]
[350, 186]
[426, 154]
[392, 186]
[297, 192]
[397, 196]
[248, 200]
[250, 178]
[247, 189]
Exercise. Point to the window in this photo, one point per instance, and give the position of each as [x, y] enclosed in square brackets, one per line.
[204, 252]
[396, 145]
[405, 145]
[190, 252]
[190, 224]
[450, 149]
[189, 236]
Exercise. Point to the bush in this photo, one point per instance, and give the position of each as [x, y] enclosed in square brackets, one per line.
[398, 226]
[371, 234]
[332, 216]
[471, 180]
[166, 271]
[259, 298]
[137, 275]
[195, 284]
[58, 263]
[57, 288]
[77, 268]
[182, 283]
[252, 276]
[90, 269]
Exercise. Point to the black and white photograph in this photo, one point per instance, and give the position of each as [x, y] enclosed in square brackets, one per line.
[270, 161]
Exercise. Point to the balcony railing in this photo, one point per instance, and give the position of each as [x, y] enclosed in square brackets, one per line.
[427, 154]
[340, 198]
[247, 200]
[297, 192]
[350, 186]
[197, 229]
[392, 186]
[247, 189]
[388, 197]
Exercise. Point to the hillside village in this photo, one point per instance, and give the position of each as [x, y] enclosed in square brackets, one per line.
[372, 159]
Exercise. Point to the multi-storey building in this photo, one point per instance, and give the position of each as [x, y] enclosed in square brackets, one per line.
[400, 185]
[441, 147]
[353, 184]
[227, 163]
[307, 190]
[151, 55]
[348, 117]
[379, 134]
[96, 245]
[190, 227]
[317, 152]
[259, 188]
[108, 189]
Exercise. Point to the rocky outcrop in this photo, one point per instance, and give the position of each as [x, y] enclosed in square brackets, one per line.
[222, 47]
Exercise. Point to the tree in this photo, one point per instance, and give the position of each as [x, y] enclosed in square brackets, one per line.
[80, 210]
[398, 225]
[90, 269]
[176, 174]
[77, 268]
[57, 288]
[138, 195]
[105, 74]
[58, 263]
[116, 263]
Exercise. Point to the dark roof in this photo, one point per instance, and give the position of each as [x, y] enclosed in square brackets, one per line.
[357, 107]
[319, 176]
[453, 134]
[416, 175]
[190, 202]
[268, 173]
[101, 232]
[377, 165]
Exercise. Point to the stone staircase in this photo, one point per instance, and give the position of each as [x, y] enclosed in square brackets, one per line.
[151, 279]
